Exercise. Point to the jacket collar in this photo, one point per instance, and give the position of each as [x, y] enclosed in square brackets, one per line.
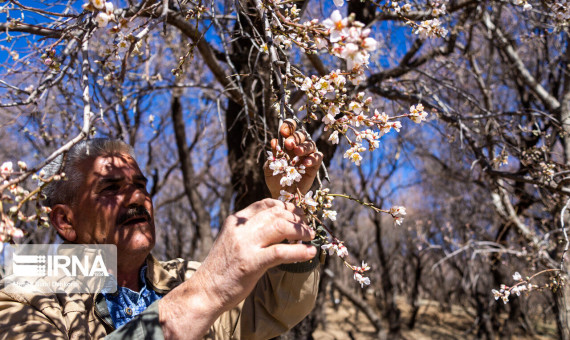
[160, 278]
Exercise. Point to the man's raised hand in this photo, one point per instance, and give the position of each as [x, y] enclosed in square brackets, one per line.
[249, 243]
[295, 144]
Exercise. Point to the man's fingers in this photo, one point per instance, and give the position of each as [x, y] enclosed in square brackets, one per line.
[275, 228]
[314, 160]
[305, 148]
[288, 128]
[274, 144]
[292, 141]
[272, 205]
[288, 253]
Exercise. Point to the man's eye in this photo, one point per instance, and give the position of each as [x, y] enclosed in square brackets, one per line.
[141, 186]
[111, 188]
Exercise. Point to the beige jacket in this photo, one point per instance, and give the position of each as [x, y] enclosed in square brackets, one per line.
[279, 301]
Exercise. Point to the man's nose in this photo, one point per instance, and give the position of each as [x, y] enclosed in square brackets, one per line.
[135, 196]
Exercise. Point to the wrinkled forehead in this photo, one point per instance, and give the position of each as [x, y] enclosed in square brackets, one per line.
[113, 165]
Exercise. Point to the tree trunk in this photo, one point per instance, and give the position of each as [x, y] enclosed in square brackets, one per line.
[203, 228]
[562, 295]
[562, 310]
[391, 311]
[414, 295]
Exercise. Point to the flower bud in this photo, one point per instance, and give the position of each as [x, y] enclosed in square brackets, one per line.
[22, 165]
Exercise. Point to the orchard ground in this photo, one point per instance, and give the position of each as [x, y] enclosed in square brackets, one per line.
[345, 322]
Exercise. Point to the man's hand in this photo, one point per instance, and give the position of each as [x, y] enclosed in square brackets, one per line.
[295, 145]
[248, 245]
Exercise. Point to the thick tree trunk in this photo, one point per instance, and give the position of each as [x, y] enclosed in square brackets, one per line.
[391, 311]
[562, 310]
[414, 294]
[203, 228]
[245, 159]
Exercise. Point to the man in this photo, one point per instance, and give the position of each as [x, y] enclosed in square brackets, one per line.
[237, 292]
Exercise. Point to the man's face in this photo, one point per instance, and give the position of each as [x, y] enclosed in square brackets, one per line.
[113, 206]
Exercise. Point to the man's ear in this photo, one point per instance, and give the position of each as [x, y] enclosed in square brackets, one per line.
[61, 218]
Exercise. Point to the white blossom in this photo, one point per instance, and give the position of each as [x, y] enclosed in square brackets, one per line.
[102, 19]
[307, 84]
[98, 4]
[285, 196]
[310, 202]
[6, 169]
[417, 113]
[363, 280]
[337, 26]
[330, 214]
[109, 8]
[333, 138]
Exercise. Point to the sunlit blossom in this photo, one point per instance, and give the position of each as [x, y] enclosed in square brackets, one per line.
[310, 203]
[417, 113]
[398, 211]
[285, 196]
[329, 119]
[330, 214]
[102, 19]
[22, 165]
[98, 4]
[397, 125]
[333, 138]
[6, 169]
[337, 26]
[363, 280]
[109, 8]
[430, 28]
[307, 84]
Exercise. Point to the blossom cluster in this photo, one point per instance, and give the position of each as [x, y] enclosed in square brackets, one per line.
[17, 196]
[350, 41]
[7, 229]
[505, 291]
[342, 113]
[338, 248]
[430, 28]
[291, 169]
[7, 170]
[312, 203]
[343, 37]
[398, 213]
[335, 247]
[524, 285]
[358, 277]
[49, 59]
[395, 8]
[104, 10]
[438, 8]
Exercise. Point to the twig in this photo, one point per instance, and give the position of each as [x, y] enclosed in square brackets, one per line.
[565, 234]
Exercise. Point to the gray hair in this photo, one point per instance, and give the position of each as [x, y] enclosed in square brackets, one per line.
[64, 191]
